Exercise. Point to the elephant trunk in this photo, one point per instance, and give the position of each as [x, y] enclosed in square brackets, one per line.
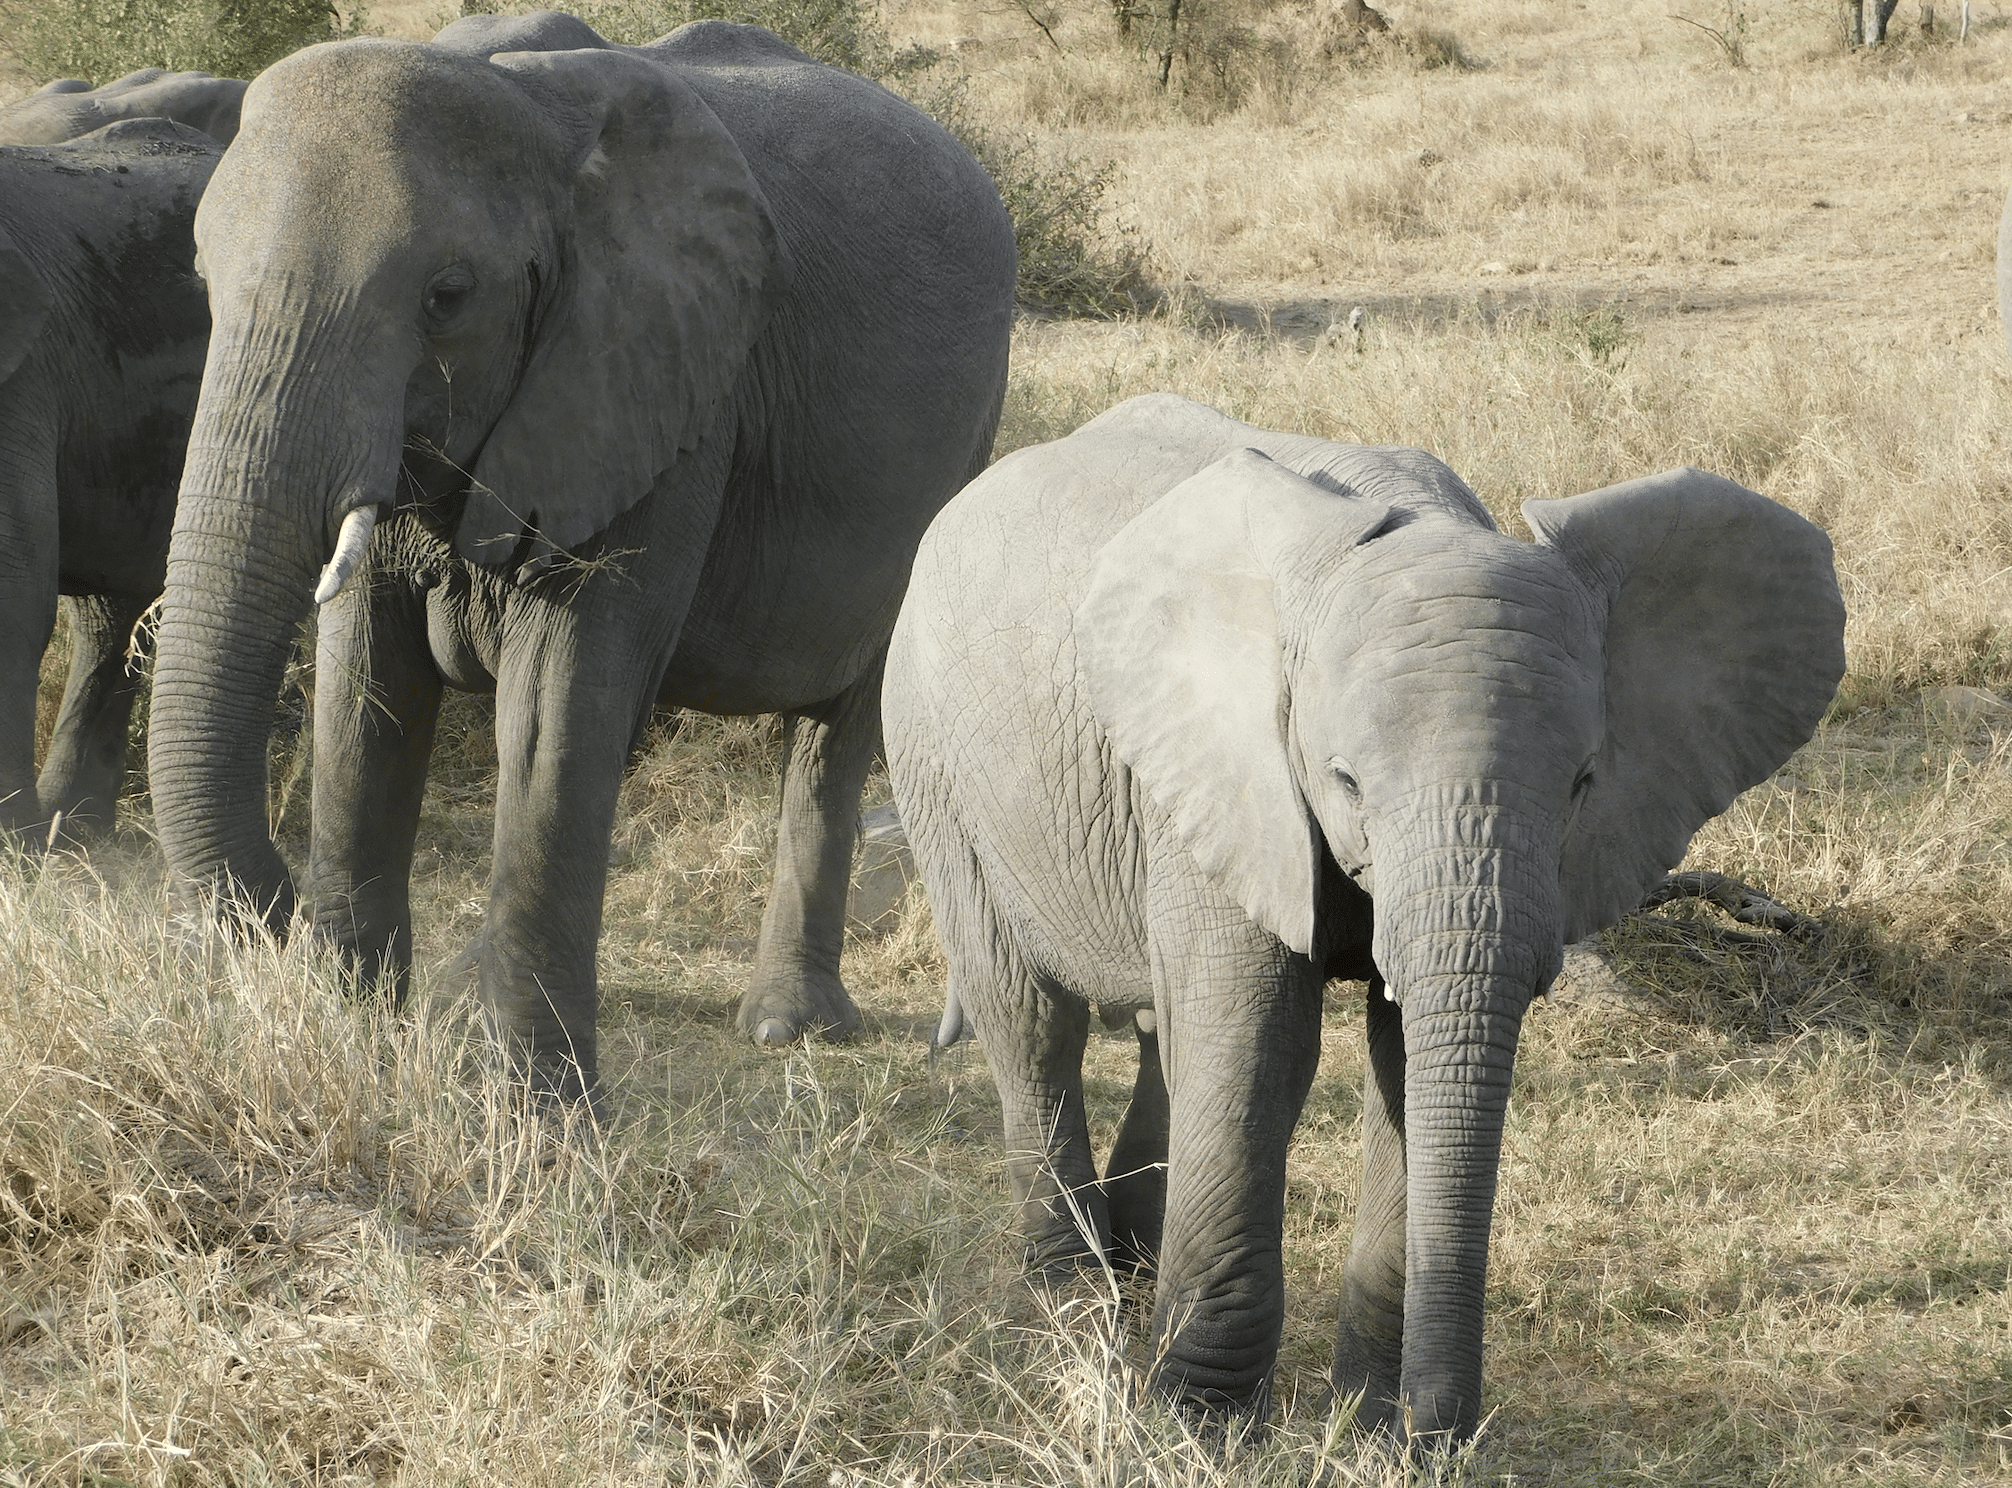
[1471, 942]
[254, 522]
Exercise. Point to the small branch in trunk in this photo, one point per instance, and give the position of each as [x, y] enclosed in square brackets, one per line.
[1746, 905]
[1027, 9]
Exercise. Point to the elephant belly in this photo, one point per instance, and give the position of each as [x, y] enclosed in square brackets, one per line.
[114, 539]
[1075, 920]
[804, 575]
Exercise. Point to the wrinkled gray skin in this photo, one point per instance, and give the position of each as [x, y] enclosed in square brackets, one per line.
[103, 325]
[71, 107]
[714, 330]
[1179, 727]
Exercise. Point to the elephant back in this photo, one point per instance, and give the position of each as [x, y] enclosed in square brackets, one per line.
[69, 109]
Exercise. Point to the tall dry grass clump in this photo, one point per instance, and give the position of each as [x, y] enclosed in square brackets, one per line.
[251, 1231]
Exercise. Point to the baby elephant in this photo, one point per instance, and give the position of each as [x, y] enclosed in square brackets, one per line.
[1189, 716]
[103, 327]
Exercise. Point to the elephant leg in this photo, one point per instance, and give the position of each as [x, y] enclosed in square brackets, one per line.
[28, 561]
[1037, 1063]
[27, 618]
[583, 655]
[1241, 1016]
[1369, 1351]
[376, 702]
[86, 764]
[559, 771]
[1033, 1031]
[1135, 1177]
[796, 986]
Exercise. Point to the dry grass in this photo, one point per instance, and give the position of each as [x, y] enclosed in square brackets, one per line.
[1756, 1229]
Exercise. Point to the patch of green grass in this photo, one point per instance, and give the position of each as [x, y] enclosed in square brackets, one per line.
[100, 40]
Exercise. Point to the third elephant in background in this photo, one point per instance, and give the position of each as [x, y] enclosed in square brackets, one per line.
[103, 328]
[1190, 716]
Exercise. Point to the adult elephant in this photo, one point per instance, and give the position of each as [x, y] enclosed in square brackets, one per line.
[103, 326]
[647, 366]
[71, 107]
[1189, 717]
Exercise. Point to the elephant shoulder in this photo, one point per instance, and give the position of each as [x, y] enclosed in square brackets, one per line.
[726, 44]
[540, 31]
[850, 168]
[1167, 419]
[1034, 522]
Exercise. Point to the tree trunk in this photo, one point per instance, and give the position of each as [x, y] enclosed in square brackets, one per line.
[1874, 14]
[1357, 14]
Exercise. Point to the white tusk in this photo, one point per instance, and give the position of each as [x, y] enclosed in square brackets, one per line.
[349, 546]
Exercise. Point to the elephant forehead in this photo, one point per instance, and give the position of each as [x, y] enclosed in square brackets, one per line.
[352, 151]
[1441, 631]
[1428, 582]
[346, 102]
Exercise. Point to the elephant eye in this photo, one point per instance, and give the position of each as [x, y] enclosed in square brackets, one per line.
[1345, 778]
[447, 292]
[1583, 784]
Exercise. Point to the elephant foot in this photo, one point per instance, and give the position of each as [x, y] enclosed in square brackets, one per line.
[563, 1096]
[777, 1011]
[1209, 1408]
[469, 962]
[1369, 1368]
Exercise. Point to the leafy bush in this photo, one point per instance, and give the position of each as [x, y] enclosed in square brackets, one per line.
[106, 39]
[1073, 262]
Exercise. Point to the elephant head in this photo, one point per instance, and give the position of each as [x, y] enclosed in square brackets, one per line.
[1504, 743]
[507, 291]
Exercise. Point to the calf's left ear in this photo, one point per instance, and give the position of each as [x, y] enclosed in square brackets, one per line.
[1725, 644]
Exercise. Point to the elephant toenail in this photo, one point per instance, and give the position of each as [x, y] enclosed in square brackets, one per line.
[773, 1033]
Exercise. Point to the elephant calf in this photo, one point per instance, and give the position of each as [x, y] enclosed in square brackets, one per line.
[103, 327]
[1188, 716]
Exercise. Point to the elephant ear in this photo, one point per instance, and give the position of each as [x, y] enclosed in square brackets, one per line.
[669, 268]
[24, 306]
[1725, 645]
[1179, 642]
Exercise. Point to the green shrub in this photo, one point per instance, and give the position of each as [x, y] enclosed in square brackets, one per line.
[105, 39]
[1073, 262]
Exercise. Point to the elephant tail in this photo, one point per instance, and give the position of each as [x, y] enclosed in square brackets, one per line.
[953, 1028]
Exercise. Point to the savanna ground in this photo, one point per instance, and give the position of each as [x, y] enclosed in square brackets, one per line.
[1755, 1222]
